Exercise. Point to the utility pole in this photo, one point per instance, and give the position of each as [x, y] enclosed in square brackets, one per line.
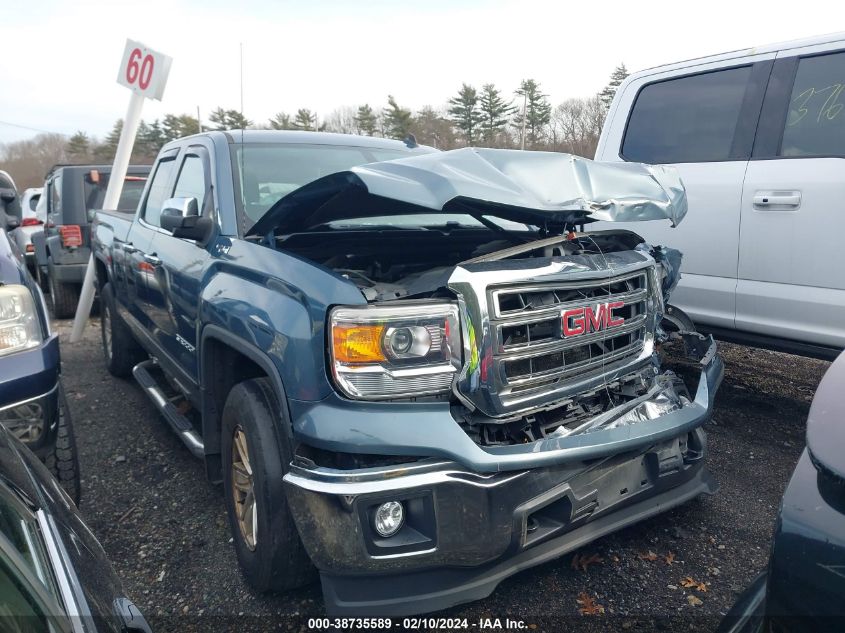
[199, 120]
[242, 79]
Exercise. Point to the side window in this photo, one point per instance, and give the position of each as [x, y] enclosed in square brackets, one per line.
[686, 120]
[56, 195]
[815, 122]
[19, 610]
[191, 182]
[159, 191]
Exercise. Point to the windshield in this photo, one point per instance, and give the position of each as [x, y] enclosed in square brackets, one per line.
[271, 171]
[133, 187]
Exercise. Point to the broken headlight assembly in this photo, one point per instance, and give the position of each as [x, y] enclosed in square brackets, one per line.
[19, 326]
[387, 352]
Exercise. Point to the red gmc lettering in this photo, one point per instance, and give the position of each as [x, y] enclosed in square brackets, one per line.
[579, 321]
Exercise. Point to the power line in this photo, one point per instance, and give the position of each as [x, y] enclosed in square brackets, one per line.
[31, 129]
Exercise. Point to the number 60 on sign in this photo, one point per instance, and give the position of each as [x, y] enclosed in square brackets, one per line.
[143, 70]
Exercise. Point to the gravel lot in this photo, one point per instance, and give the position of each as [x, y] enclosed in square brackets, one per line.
[164, 525]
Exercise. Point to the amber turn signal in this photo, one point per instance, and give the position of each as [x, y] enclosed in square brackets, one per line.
[358, 343]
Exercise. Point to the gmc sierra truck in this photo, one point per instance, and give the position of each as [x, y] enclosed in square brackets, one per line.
[416, 376]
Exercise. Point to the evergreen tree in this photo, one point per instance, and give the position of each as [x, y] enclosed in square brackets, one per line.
[305, 120]
[175, 126]
[538, 111]
[228, 120]
[104, 152]
[366, 120]
[281, 121]
[619, 75]
[149, 140]
[430, 127]
[495, 113]
[464, 112]
[79, 148]
[397, 120]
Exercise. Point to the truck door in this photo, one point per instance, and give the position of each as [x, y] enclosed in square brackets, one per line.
[701, 122]
[182, 264]
[138, 258]
[791, 257]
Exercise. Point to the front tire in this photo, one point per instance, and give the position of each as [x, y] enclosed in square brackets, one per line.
[266, 540]
[120, 349]
[63, 297]
[62, 460]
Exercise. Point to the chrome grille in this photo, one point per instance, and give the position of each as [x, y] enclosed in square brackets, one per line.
[532, 349]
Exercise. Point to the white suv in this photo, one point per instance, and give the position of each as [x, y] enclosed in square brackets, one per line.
[758, 136]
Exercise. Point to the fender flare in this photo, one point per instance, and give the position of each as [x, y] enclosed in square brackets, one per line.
[256, 355]
[100, 258]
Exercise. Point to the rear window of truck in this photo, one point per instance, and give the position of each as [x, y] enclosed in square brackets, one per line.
[133, 187]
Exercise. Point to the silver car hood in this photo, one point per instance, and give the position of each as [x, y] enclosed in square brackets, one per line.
[539, 188]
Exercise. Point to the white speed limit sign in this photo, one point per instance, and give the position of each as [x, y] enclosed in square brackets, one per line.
[143, 70]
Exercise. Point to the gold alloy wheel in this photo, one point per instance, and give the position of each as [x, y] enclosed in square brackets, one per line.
[243, 489]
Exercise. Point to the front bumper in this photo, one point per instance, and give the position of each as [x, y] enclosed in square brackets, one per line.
[29, 394]
[465, 533]
[470, 523]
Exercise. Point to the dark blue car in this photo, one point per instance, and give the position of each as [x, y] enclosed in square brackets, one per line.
[803, 589]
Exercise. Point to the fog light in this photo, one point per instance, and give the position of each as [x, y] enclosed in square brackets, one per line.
[389, 518]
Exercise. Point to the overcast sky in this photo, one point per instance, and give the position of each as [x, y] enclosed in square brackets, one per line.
[59, 59]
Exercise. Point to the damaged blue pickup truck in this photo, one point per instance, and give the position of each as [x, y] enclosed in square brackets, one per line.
[416, 376]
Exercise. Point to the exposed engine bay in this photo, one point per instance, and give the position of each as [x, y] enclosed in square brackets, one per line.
[388, 264]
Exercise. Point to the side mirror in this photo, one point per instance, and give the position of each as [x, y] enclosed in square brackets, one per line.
[8, 195]
[181, 217]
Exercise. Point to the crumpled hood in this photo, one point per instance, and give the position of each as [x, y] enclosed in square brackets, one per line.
[539, 188]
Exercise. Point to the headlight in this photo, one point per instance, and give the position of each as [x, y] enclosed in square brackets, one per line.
[380, 352]
[19, 326]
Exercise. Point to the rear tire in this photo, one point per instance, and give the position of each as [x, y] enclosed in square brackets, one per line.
[63, 297]
[274, 558]
[62, 460]
[120, 349]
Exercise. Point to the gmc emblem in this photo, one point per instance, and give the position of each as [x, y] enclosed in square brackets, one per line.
[579, 321]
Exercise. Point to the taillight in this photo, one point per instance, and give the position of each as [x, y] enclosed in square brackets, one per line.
[31, 222]
[30, 248]
[71, 235]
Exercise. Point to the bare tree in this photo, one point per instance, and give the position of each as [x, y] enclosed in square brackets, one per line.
[575, 126]
[342, 120]
[28, 161]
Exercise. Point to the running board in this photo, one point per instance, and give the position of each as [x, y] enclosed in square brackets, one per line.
[178, 422]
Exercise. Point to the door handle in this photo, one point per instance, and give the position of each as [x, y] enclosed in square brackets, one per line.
[151, 259]
[777, 200]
